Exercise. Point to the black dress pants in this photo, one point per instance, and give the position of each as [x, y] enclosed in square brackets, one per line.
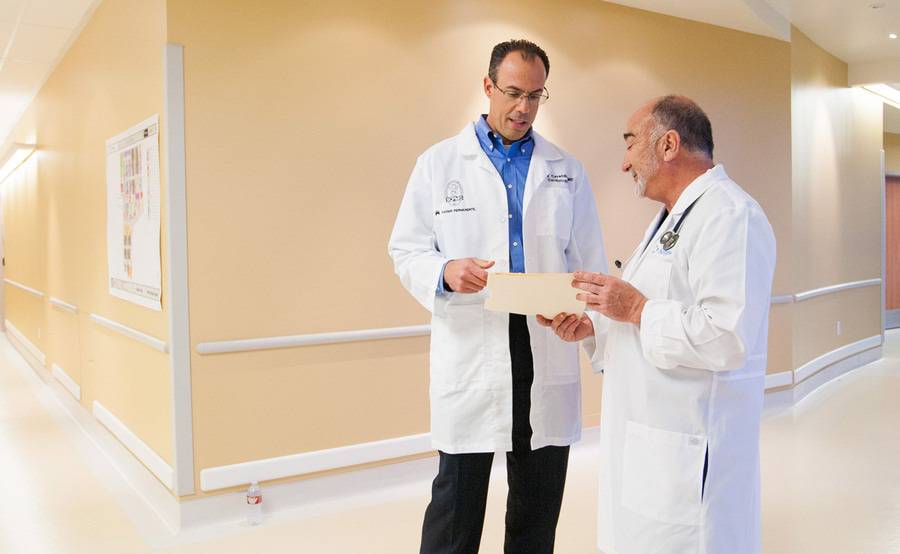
[455, 516]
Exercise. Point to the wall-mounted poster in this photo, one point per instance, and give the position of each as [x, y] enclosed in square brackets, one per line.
[133, 214]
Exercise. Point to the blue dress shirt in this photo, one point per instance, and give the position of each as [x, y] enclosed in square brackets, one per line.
[512, 163]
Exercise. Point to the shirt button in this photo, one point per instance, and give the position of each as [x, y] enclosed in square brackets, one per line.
[509, 159]
[509, 186]
[510, 215]
[515, 244]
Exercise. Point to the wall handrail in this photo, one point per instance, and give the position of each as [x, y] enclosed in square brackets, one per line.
[150, 341]
[270, 343]
[831, 289]
[63, 305]
[25, 288]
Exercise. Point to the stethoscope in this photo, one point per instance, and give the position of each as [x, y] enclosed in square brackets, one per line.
[670, 238]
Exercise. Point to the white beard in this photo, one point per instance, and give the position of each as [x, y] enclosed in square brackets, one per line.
[651, 164]
[640, 187]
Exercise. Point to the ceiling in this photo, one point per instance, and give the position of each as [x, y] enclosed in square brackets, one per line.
[753, 16]
[34, 34]
[849, 29]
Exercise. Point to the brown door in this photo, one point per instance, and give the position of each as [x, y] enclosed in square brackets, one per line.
[892, 243]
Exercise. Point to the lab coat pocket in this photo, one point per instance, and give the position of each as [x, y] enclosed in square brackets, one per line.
[553, 209]
[457, 340]
[663, 474]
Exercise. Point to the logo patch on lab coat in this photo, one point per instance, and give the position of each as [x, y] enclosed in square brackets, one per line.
[454, 199]
[453, 196]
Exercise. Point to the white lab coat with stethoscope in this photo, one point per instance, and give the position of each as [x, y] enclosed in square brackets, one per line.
[689, 381]
[455, 206]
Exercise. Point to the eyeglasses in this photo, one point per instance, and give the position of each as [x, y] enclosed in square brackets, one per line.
[514, 95]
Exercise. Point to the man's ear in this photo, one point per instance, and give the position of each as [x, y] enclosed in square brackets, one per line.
[671, 144]
[488, 86]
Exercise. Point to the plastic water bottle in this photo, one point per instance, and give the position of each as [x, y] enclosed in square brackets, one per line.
[254, 504]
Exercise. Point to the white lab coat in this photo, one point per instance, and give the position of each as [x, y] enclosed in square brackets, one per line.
[455, 207]
[691, 377]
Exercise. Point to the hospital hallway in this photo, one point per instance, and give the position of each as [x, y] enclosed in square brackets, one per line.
[830, 463]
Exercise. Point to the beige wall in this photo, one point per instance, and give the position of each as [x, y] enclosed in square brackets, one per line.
[24, 233]
[891, 152]
[303, 123]
[55, 217]
[837, 140]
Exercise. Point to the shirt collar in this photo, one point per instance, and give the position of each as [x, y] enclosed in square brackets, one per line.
[494, 141]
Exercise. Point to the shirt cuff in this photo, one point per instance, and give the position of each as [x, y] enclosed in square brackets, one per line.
[441, 288]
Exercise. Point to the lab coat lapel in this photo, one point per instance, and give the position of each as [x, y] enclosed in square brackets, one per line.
[471, 150]
[642, 248]
[544, 152]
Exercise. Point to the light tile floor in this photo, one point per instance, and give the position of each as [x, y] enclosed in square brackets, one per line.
[831, 484]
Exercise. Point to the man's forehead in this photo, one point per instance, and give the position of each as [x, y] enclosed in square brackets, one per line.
[636, 122]
[514, 67]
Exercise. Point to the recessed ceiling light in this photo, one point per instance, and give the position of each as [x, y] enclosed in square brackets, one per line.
[892, 35]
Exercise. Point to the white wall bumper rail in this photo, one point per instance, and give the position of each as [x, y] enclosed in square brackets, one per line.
[152, 342]
[813, 366]
[139, 448]
[20, 286]
[66, 381]
[780, 379]
[63, 305]
[806, 295]
[23, 341]
[269, 343]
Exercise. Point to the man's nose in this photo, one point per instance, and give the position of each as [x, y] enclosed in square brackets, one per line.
[626, 165]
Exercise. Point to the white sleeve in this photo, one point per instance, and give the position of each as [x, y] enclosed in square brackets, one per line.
[730, 275]
[413, 245]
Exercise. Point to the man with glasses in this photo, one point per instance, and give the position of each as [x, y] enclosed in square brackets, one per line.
[497, 197]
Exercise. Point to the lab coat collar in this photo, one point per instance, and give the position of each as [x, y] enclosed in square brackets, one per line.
[544, 149]
[699, 185]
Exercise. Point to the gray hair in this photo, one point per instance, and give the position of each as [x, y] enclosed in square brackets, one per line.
[683, 115]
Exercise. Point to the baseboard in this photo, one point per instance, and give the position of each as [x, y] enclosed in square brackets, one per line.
[780, 379]
[311, 462]
[25, 346]
[815, 373]
[139, 448]
[837, 369]
[811, 367]
[66, 381]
